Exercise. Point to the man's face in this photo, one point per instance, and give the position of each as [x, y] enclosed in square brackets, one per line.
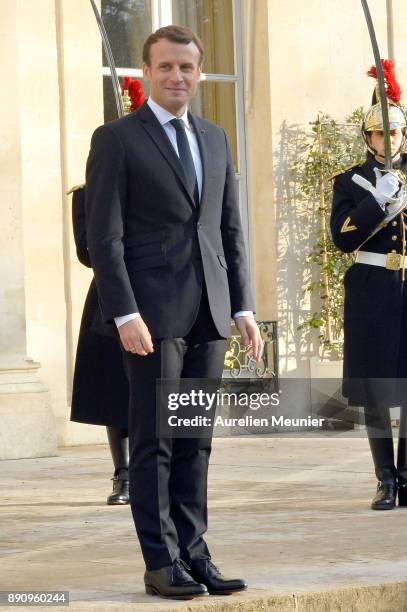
[174, 73]
[376, 141]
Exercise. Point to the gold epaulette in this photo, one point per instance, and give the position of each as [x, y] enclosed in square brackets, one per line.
[75, 188]
[330, 178]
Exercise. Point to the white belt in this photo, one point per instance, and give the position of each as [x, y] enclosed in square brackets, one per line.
[391, 261]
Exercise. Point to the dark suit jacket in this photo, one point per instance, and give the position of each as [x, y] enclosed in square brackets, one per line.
[151, 248]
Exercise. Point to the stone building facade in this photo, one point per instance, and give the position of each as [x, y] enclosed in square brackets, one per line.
[270, 65]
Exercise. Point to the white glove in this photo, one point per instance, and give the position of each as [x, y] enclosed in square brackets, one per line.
[386, 186]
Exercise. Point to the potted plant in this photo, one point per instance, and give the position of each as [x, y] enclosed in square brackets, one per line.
[332, 148]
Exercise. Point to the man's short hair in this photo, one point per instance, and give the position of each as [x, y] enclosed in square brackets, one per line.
[175, 34]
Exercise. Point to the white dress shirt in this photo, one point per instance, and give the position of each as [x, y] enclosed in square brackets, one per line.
[164, 117]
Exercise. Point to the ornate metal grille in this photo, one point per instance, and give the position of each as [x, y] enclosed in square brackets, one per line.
[239, 364]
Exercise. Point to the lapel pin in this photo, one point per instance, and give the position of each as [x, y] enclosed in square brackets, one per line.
[202, 130]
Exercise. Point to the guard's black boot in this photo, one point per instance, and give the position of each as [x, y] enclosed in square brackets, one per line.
[402, 458]
[402, 491]
[119, 447]
[120, 495]
[386, 495]
[385, 498]
[383, 457]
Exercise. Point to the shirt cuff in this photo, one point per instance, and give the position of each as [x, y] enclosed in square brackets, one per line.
[125, 318]
[244, 313]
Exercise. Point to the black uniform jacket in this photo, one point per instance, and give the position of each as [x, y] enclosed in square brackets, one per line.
[151, 247]
[100, 393]
[375, 317]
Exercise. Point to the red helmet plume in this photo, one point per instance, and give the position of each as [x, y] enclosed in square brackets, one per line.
[136, 93]
[393, 89]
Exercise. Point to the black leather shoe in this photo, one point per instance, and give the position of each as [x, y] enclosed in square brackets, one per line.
[120, 495]
[402, 491]
[385, 498]
[173, 582]
[207, 573]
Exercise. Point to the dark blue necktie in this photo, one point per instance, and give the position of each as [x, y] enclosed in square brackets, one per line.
[185, 156]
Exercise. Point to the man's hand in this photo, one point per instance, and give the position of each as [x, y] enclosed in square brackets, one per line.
[250, 335]
[135, 337]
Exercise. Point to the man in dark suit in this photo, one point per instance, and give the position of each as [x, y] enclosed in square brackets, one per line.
[167, 249]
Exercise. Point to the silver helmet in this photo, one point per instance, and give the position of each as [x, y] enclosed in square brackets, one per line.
[373, 119]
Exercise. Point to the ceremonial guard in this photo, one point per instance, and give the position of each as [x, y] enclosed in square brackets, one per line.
[100, 393]
[368, 218]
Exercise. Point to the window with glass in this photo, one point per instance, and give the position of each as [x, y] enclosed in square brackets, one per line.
[220, 94]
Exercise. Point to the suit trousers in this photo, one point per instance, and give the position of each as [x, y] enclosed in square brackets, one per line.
[168, 477]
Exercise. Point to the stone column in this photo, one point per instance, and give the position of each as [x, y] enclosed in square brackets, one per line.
[27, 423]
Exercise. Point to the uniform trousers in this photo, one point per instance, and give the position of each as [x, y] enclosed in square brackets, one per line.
[377, 413]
